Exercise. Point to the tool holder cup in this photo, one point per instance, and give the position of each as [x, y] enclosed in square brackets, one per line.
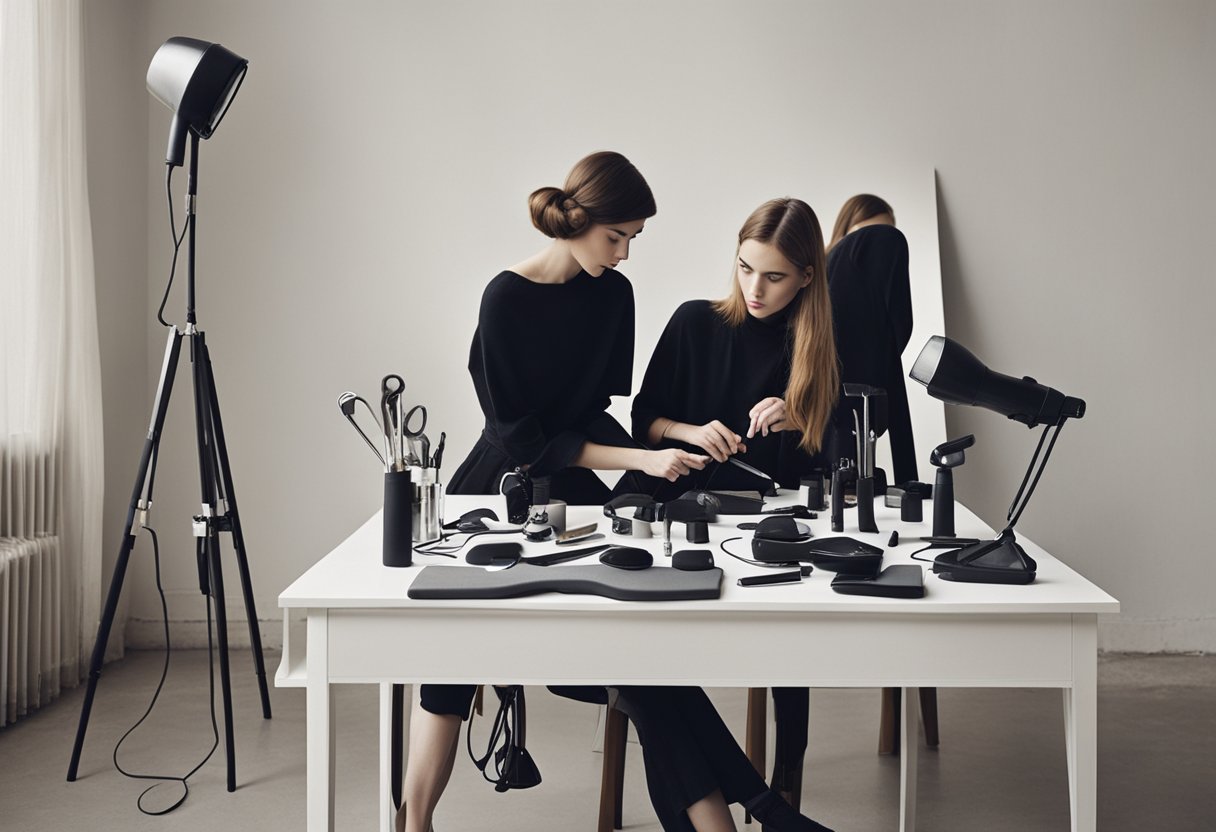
[413, 512]
[398, 519]
[427, 507]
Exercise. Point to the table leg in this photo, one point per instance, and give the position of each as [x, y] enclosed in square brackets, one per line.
[386, 754]
[1081, 725]
[320, 732]
[909, 748]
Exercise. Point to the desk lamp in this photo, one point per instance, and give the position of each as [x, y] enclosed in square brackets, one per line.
[955, 376]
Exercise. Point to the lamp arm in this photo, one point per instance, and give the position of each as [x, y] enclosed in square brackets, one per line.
[1022, 498]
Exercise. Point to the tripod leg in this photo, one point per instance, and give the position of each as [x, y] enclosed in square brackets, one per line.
[99, 647]
[209, 548]
[143, 481]
[221, 629]
[238, 537]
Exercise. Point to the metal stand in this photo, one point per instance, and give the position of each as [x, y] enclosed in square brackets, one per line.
[218, 512]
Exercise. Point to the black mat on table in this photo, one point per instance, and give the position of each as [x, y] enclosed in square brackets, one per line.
[658, 583]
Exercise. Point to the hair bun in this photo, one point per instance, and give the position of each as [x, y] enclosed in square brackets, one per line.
[556, 214]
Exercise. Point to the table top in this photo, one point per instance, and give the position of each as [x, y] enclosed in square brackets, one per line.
[353, 577]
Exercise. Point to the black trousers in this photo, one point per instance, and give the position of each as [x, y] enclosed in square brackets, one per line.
[791, 710]
[688, 751]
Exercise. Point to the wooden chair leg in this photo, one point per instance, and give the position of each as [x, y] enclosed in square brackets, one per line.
[888, 725]
[928, 715]
[612, 777]
[757, 732]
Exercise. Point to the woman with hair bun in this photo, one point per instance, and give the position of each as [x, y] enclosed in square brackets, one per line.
[554, 342]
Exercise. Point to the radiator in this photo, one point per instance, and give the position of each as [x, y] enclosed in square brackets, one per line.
[32, 639]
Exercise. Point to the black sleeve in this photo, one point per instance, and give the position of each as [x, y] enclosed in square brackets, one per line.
[600, 427]
[654, 398]
[512, 416]
[899, 290]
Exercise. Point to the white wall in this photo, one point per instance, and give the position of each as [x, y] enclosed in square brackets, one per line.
[356, 200]
[118, 173]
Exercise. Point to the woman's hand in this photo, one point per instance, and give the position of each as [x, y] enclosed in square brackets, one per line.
[715, 438]
[768, 414]
[671, 464]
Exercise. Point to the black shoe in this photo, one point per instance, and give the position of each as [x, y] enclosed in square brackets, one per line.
[775, 815]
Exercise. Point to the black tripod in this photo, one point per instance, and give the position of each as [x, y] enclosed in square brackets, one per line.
[218, 514]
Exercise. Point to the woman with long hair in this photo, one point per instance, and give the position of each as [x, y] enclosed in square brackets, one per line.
[872, 309]
[754, 375]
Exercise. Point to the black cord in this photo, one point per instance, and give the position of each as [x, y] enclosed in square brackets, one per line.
[215, 731]
[500, 729]
[722, 546]
[177, 244]
[447, 551]
[925, 549]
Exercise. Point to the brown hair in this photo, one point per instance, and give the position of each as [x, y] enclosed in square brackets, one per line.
[814, 383]
[858, 209]
[604, 187]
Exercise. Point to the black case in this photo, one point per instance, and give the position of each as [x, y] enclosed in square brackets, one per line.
[846, 555]
[900, 581]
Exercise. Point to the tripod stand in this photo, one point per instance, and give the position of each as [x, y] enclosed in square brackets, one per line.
[218, 514]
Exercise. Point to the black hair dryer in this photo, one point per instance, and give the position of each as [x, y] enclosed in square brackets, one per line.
[947, 456]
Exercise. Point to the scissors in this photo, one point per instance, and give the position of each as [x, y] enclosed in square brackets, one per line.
[391, 388]
[419, 444]
[346, 403]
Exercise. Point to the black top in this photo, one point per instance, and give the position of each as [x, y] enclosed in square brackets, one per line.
[872, 314]
[704, 369]
[545, 360]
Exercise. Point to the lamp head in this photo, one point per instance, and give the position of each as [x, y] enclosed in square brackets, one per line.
[951, 373]
[197, 80]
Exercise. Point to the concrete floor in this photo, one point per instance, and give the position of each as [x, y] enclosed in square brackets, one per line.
[1001, 763]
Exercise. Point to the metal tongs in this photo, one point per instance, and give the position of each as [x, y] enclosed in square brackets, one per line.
[346, 403]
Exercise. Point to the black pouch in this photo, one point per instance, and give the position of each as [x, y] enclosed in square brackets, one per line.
[900, 581]
[513, 766]
[846, 555]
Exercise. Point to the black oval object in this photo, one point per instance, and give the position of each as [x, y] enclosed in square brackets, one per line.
[494, 554]
[627, 557]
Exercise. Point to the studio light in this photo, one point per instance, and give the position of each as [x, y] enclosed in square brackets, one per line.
[953, 375]
[197, 80]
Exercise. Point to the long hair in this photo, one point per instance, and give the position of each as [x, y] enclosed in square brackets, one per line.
[813, 388]
[602, 188]
[857, 209]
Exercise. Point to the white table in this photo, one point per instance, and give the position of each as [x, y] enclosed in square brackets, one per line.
[347, 620]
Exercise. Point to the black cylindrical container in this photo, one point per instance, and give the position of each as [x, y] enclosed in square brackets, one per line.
[398, 523]
[910, 507]
[943, 503]
[697, 531]
[838, 478]
[865, 505]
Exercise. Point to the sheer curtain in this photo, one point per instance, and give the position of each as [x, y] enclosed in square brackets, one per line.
[50, 376]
